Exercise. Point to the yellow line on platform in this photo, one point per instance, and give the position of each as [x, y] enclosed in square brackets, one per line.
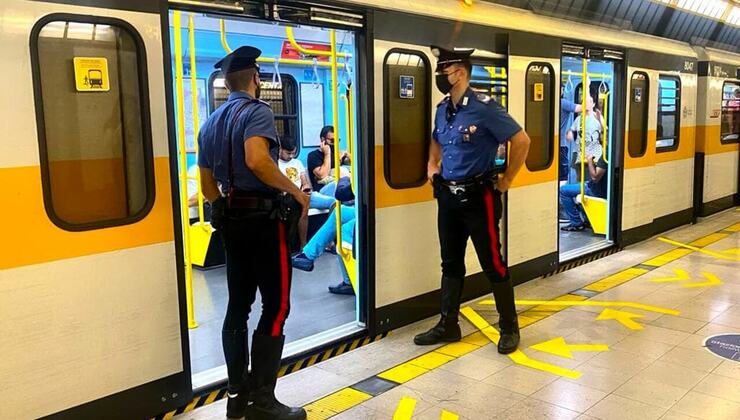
[703, 251]
[518, 356]
[446, 415]
[603, 303]
[405, 409]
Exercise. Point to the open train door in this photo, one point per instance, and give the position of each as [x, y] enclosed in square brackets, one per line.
[91, 294]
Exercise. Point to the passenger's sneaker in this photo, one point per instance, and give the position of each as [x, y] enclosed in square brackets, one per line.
[236, 405]
[302, 262]
[342, 289]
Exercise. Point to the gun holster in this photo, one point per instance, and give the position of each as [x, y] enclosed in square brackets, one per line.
[288, 210]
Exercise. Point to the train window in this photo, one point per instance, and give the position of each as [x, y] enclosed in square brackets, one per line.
[639, 100]
[491, 80]
[282, 96]
[407, 117]
[730, 119]
[539, 115]
[92, 111]
[669, 113]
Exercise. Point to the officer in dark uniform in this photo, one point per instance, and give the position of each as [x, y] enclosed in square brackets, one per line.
[255, 206]
[468, 129]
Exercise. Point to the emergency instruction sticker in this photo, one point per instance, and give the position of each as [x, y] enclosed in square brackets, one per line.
[91, 74]
[539, 92]
[406, 88]
[724, 345]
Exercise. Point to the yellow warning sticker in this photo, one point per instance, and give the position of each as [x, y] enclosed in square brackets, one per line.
[91, 74]
[539, 92]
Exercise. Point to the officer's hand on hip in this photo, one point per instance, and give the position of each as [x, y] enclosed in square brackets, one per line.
[503, 184]
[431, 171]
[303, 199]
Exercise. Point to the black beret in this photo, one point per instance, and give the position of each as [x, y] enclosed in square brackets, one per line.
[241, 58]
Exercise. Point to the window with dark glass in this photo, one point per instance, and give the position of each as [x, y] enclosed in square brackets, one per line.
[639, 102]
[669, 113]
[407, 117]
[730, 117]
[539, 115]
[93, 121]
[282, 95]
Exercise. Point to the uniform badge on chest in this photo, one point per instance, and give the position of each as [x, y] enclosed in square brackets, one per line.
[466, 133]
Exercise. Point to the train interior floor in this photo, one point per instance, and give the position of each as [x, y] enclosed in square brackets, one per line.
[313, 309]
[619, 338]
[570, 241]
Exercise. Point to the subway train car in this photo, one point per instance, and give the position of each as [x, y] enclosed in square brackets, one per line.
[110, 299]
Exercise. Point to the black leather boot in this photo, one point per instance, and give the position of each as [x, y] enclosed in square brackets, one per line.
[503, 293]
[236, 352]
[447, 329]
[266, 353]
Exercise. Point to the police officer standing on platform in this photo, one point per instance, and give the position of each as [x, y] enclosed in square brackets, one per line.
[240, 177]
[468, 129]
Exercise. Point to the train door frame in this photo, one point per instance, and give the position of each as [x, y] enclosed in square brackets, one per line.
[577, 49]
[327, 17]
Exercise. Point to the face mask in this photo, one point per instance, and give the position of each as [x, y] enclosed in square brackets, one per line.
[443, 83]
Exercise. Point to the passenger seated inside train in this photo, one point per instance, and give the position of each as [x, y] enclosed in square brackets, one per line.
[594, 126]
[295, 171]
[328, 233]
[193, 198]
[320, 162]
[596, 186]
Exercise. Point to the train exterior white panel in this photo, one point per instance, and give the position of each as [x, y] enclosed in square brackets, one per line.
[638, 197]
[531, 233]
[720, 175]
[673, 187]
[408, 259]
[79, 329]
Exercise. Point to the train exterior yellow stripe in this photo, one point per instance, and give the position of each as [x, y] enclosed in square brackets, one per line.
[708, 140]
[38, 240]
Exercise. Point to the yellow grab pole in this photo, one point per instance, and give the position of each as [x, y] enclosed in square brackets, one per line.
[180, 106]
[350, 132]
[306, 51]
[584, 91]
[224, 44]
[196, 115]
[603, 132]
[335, 123]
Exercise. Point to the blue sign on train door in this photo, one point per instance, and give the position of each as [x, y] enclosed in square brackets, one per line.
[406, 88]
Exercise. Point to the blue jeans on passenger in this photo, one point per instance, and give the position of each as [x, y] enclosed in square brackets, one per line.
[328, 232]
[568, 193]
[324, 198]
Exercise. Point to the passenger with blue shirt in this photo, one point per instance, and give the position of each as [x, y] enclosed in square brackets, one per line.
[567, 109]
[240, 177]
[468, 129]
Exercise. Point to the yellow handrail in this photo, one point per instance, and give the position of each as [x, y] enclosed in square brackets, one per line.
[603, 131]
[180, 108]
[592, 75]
[350, 132]
[287, 61]
[584, 112]
[320, 53]
[196, 116]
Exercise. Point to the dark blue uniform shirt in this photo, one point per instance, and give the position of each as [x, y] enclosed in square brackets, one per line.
[256, 119]
[470, 134]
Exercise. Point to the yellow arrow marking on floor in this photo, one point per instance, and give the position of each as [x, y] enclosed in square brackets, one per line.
[405, 409]
[559, 347]
[712, 280]
[605, 303]
[446, 415]
[680, 276]
[703, 251]
[624, 317]
[517, 356]
[732, 251]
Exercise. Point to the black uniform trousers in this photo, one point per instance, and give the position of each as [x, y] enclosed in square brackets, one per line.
[257, 257]
[477, 218]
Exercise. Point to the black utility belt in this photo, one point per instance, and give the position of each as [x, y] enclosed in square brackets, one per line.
[477, 183]
[243, 200]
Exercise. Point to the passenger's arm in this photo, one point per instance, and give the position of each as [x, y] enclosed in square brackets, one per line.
[322, 171]
[208, 185]
[594, 172]
[258, 160]
[435, 155]
[569, 135]
[518, 150]
[305, 183]
[577, 109]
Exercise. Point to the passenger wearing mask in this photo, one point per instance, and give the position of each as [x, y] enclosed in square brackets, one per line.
[594, 127]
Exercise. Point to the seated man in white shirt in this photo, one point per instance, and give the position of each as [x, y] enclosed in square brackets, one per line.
[295, 171]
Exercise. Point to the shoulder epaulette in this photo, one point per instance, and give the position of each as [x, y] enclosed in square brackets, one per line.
[483, 98]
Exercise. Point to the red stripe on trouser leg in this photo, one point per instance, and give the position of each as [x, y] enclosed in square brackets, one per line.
[284, 289]
[497, 261]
